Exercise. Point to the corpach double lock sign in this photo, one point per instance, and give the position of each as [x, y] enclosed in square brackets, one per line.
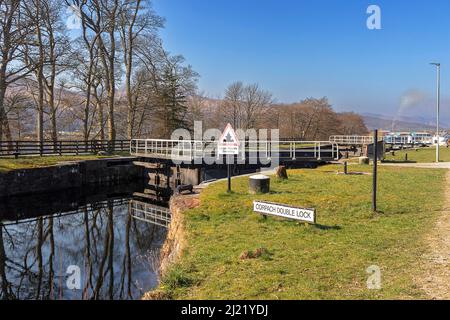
[284, 211]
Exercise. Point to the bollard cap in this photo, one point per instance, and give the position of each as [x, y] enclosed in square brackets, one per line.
[259, 177]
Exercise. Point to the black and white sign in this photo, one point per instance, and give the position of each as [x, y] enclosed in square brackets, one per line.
[228, 142]
[284, 211]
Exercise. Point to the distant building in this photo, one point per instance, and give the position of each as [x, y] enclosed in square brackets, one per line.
[409, 138]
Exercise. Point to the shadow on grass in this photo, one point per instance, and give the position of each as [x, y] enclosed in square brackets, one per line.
[355, 173]
[300, 223]
[398, 161]
[324, 227]
[277, 192]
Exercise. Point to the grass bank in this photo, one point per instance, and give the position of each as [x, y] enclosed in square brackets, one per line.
[326, 261]
[422, 155]
[7, 164]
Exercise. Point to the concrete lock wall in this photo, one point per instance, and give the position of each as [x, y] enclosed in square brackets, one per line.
[69, 175]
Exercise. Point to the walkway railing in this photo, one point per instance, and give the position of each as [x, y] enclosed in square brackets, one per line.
[189, 150]
[351, 140]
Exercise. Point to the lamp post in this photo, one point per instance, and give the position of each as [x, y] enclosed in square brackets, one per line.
[438, 98]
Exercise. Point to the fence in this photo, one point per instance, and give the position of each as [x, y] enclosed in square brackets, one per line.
[72, 147]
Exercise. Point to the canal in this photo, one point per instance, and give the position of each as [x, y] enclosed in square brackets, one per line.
[91, 243]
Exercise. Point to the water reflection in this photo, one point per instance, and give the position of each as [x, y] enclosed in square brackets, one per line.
[114, 241]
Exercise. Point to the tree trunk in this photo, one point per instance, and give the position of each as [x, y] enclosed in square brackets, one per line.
[53, 122]
[2, 99]
[40, 108]
[101, 120]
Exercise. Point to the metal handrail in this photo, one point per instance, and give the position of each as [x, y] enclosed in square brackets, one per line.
[352, 139]
[190, 149]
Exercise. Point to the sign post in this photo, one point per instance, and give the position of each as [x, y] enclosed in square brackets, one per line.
[228, 145]
[229, 174]
[375, 171]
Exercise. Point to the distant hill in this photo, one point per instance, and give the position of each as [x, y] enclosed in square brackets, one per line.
[374, 121]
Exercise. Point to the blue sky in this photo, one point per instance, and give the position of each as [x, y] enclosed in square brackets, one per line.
[303, 48]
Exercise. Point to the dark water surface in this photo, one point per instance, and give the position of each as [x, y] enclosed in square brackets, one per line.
[111, 235]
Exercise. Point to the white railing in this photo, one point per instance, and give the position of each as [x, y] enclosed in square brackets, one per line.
[351, 140]
[188, 150]
[150, 213]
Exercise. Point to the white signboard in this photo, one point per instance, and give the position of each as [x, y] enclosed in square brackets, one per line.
[279, 210]
[228, 142]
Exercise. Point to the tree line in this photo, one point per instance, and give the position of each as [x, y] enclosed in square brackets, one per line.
[98, 69]
[248, 106]
[109, 76]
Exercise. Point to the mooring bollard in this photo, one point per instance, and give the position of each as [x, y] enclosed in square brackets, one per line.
[281, 173]
[364, 160]
[259, 184]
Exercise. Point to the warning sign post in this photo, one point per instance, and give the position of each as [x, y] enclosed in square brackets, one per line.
[228, 145]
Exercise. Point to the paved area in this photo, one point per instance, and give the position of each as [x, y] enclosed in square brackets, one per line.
[432, 165]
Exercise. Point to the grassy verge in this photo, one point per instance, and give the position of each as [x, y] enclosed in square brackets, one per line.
[327, 261]
[422, 155]
[7, 164]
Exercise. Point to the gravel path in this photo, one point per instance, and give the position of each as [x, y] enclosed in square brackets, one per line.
[432, 165]
[435, 280]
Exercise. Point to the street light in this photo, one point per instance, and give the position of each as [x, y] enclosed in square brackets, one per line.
[438, 98]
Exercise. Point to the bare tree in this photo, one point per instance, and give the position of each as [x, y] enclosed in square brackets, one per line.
[243, 105]
[231, 107]
[255, 103]
[14, 31]
[352, 124]
[100, 17]
[137, 20]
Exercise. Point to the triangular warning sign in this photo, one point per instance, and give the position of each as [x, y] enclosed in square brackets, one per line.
[229, 136]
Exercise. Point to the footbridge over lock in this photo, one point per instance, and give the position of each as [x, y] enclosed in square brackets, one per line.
[259, 153]
[351, 140]
[171, 163]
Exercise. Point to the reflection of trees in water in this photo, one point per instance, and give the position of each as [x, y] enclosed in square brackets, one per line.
[111, 248]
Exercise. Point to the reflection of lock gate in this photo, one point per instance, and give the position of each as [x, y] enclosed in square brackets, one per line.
[150, 213]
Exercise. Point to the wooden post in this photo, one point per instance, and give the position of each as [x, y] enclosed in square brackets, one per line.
[345, 167]
[168, 172]
[375, 172]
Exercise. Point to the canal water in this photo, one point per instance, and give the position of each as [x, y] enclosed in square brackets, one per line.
[99, 243]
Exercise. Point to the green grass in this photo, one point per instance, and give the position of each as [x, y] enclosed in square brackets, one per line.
[422, 155]
[326, 261]
[7, 164]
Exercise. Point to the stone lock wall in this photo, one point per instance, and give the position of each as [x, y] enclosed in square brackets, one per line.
[68, 175]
